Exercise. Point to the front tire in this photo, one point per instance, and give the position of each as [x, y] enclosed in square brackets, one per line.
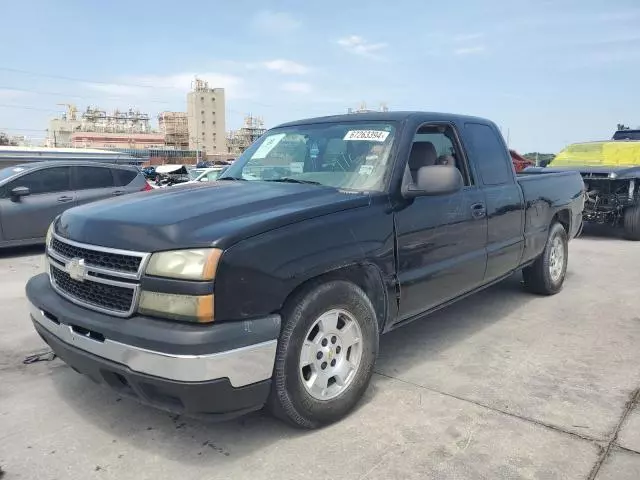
[546, 275]
[326, 352]
[632, 223]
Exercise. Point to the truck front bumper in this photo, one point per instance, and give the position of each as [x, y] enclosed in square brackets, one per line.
[206, 371]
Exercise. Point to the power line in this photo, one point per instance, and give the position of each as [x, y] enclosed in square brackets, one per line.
[68, 95]
[28, 107]
[72, 79]
[119, 84]
[10, 129]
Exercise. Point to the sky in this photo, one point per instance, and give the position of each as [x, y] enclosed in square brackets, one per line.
[549, 73]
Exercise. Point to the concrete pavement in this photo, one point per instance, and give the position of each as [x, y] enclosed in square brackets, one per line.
[503, 385]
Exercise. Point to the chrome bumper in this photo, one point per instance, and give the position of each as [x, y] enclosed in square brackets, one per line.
[242, 366]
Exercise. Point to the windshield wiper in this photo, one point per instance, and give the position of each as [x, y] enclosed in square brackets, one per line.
[293, 180]
[232, 178]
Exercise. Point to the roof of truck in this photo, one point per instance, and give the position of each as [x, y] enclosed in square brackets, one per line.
[395, 116]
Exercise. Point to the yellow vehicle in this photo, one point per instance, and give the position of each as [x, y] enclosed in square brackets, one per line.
[611, 174]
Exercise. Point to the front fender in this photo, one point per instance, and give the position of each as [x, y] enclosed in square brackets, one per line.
[256, 275]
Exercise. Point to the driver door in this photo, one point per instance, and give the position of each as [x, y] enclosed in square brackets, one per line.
[441, 239]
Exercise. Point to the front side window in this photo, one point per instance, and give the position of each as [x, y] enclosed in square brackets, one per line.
[46, 180]
[94, 177]
[351, 156]
[437, 145]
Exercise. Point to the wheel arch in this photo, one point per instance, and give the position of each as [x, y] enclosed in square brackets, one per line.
[366, 276]
[563, 217]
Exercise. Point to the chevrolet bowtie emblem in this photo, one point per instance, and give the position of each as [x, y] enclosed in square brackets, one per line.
[76, 269]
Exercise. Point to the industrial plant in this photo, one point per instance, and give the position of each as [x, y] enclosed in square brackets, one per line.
[190, 136]
[180, 137]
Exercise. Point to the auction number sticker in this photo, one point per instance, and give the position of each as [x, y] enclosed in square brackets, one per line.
[368, 135]
[268, 145]
[366, 169]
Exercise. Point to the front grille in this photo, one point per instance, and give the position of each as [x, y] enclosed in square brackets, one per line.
[101, 295]
[98, 278]
[97, 258]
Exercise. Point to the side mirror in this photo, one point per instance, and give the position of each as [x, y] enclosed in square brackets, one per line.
[434, 180]
[19, 192]
[204, 179]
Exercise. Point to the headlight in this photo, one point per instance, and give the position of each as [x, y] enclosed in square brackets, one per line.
[187, 308]
[199, 264]
[49, 234]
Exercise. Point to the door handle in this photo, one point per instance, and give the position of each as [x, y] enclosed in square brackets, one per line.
[65, 199]
[118, 192]
[478, 210]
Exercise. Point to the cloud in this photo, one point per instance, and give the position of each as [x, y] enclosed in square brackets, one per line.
[286, 67]
[297, 87]
[115, 89]
[9, 94]
[172, 84]
[359, 46]
[467, 37]
[475, 50]
[275, 23]
[620, 39]
[595, 60]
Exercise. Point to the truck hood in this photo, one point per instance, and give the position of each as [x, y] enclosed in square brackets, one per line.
[186, 216]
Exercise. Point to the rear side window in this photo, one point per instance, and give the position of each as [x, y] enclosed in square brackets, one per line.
[46, 180]
[123, 177]
[94, 177]
[490, 154]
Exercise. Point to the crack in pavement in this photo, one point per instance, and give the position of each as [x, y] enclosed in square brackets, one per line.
[625, 449]
[549, 426]
[604, 449]
[631, 403]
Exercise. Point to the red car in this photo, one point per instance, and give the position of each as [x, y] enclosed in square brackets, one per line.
[520, 162]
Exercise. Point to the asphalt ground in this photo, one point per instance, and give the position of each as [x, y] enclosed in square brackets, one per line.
[503, 385]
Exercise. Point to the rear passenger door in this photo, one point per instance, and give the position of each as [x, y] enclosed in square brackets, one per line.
[29, 217]
[93, 183]
[504, 198]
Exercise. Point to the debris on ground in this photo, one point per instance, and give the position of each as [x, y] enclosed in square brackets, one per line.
[45, 356]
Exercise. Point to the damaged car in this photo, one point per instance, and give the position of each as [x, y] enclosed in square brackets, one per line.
[611, 174]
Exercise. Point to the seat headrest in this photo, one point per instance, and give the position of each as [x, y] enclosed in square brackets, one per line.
[423, 154]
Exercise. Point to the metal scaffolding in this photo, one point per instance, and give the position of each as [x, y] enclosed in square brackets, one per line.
[239, 140]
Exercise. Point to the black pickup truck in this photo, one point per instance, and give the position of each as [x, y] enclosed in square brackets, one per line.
[272, 285]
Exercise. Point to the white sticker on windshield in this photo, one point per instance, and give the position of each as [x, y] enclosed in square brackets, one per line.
[268, 145]
[369, 135]
[366, 169]
[296, 167]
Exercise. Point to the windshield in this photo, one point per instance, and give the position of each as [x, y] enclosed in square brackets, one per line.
[195, 173]
[627, 135]
[351, 156]
[599, 154]
[209, 175]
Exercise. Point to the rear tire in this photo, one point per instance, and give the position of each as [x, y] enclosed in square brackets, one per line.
[546, 275]
[632, 223]
[326, 352]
